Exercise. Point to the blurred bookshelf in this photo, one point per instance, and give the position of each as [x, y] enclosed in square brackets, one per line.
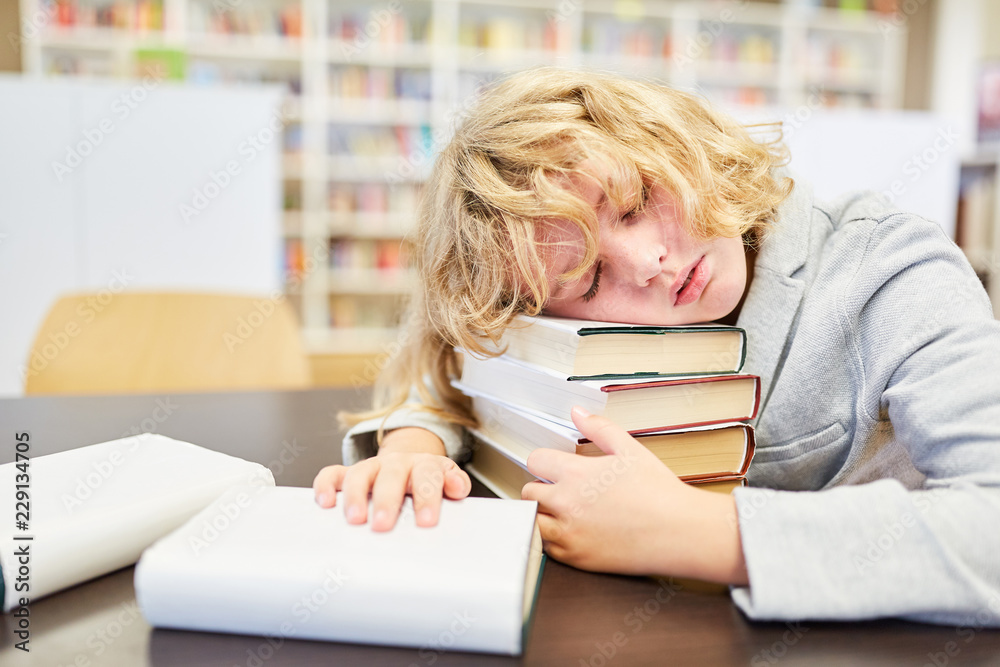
[374, 90]
[978, 222]
[977, 228]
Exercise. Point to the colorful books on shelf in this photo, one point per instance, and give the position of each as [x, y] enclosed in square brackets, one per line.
[694, 423]
[140, 15]
[378, 83]
[230, 18]
[367, 254]
[505, 34]
[633, 39]
[354, 140]
[354, 28]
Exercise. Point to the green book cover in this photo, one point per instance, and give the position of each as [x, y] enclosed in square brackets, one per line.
[168, 63]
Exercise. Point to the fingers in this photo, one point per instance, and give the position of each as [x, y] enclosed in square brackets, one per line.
[457, 484]
[328, 481]
[556, 539]
[357, 483]
[541, 492]
[427, 483]
[551, 529]
[554, 503]
[433, 479]
[549, 464]
[564, 541]
[387, 494]
[428, 478]
[609, 436]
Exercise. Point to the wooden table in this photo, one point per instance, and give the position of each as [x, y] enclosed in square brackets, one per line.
[581, 618]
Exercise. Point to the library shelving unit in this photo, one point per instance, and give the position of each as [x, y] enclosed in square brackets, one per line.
[978, 223]
[374, 90]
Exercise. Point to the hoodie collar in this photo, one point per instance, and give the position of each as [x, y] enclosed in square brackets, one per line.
[772, 305]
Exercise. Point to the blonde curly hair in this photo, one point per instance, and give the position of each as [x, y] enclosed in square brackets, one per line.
[483, 215]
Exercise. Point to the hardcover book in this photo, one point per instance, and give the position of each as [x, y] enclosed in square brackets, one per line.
[636, 404]
[703, 452]
[492, 465]
[270, 561]
[92, 510]
[581, 348]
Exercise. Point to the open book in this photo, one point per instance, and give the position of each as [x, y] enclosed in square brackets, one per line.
[270, 561]
[92, 510]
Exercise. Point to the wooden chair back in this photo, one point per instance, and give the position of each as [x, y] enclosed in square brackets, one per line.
[131, 342]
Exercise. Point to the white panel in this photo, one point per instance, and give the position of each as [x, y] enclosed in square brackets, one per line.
[176, 142]
[129, 163]
[958, 25]
[38, 257]
[912, 157]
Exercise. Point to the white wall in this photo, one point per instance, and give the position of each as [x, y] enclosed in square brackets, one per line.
[911, 156]
[93, 177]
[958, 27]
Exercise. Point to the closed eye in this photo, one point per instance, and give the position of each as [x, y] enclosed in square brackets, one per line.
[629, 216]
[592, 292]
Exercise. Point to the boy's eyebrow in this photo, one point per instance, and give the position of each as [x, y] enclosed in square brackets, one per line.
[602, 201]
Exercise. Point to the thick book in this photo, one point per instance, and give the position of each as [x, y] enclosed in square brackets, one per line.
[637, 405]
[272, 562]
[582, 348]
[701, 452]
[84, 512]
[494, 467]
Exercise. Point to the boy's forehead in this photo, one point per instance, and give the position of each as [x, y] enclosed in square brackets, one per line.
[589, 181]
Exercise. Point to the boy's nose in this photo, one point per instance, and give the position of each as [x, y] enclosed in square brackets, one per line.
[647, 263]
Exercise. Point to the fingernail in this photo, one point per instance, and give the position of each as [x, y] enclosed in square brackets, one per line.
[580, 412]
[322, 500]
[353, 513]
[381, 517]
[425, 516]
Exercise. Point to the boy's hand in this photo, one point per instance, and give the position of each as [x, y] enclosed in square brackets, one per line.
[410, 461]
[628, 513]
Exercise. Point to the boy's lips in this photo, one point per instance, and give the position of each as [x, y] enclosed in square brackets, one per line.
[689, 285]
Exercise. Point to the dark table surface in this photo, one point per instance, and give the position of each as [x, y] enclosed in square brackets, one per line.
[581, 618]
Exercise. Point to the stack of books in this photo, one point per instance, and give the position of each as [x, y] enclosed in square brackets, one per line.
[678, 390]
